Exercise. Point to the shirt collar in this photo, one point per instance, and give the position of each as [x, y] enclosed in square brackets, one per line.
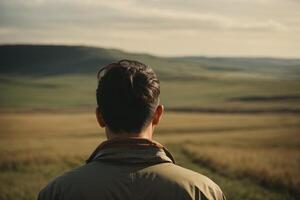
[131, 150]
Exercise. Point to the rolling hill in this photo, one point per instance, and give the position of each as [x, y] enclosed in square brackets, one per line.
[57, 76]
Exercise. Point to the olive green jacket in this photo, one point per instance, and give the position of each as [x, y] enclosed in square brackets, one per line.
[131, 169]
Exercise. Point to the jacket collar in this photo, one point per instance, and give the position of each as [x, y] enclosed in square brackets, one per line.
[131, 150]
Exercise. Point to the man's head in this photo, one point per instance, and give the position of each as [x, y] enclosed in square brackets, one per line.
[128, 97]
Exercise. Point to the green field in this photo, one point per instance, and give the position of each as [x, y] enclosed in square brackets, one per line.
[65, 76]
[73, 91]
[236, 120]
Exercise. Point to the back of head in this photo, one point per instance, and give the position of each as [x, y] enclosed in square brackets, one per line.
[127, 95]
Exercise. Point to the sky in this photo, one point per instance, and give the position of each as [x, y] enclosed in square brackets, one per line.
[268, 28]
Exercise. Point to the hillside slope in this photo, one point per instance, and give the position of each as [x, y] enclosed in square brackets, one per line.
[45, 76]
[55, 59]
[45, 60]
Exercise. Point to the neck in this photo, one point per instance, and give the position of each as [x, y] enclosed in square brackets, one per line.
[145, 134]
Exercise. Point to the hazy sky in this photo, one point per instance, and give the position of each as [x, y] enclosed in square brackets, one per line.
[166, 27]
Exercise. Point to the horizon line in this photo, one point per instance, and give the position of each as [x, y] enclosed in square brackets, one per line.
[150, 53]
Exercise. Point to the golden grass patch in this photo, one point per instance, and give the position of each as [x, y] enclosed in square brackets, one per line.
[43, 145]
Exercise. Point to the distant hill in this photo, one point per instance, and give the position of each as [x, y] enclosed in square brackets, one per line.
[58, 59]
[45, 60]
[53, 76]
[279, 66]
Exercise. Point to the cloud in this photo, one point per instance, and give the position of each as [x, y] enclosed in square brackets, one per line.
[120, 14]
[114, 21]
[269, 25]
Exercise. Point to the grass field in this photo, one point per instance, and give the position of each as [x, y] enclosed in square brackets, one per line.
[250, 156]
[79, 91]
[34, 76]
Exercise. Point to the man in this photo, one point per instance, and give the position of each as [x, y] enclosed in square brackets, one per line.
[129, 164]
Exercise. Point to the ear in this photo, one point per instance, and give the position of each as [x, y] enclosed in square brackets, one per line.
[158, 114]
[99, 118]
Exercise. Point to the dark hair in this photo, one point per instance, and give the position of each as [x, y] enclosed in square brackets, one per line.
[127, 95]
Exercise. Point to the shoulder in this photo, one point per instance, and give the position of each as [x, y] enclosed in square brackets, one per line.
[201, 184]
[78, 179]
[191, 181]
[57, 186]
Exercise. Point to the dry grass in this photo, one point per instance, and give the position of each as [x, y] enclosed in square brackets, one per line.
[269, 158]
[35, 147]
